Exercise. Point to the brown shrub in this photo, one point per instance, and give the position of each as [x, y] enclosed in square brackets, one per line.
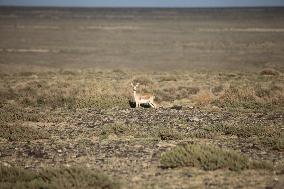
[143, 80]
[217, 89]
[204, 98]
[168, 78]
[73, 177]
[269, 71]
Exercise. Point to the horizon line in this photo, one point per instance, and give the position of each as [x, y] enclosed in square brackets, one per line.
[168, 7]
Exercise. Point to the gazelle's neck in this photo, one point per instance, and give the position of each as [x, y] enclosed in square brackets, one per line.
[134, 93]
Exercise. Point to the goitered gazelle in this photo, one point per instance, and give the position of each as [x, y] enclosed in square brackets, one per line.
[142, 98]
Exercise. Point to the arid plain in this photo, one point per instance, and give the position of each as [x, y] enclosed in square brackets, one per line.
[65, 96]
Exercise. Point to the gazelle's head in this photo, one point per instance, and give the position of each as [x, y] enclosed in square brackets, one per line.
[134, 86]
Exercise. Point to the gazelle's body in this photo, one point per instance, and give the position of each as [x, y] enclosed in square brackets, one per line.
[142, 98]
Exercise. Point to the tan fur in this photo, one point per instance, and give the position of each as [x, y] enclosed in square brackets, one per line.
[146, 98]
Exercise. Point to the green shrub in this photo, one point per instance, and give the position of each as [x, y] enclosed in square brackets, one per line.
[205, 157]
[74, 177]
[274, 142]
[261, 165]
[246, 131]
[170, 134]
[12, 113]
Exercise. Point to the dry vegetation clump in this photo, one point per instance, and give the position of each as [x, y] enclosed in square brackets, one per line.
[251, 97]
[69, 91]
[157, 132]
[74, 177]
[246, 131]
[235, 97]
[168, 78]
[170, 134]
[18, 132]
[280, 167]
[175, 93]
[275, 142]
[216, 90]
[12, 113]
[269, 71]
[204, 98]
[114, 129]
[268, 136]
[205, 157]
[143, 80]
[273, 94]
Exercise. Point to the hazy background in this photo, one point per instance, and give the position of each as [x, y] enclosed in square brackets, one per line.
[145, 3]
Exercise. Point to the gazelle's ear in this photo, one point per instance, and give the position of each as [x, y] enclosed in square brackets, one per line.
[137, 84]
[132, 84]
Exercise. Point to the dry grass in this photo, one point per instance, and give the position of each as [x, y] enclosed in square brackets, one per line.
[106, 89]
[252, 97]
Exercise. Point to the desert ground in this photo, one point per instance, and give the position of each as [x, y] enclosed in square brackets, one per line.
[66, 103]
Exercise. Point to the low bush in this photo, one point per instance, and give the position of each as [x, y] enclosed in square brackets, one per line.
[205, 157]
[74, 177]
[18, 132]
[274, 142]
[208, 158]
[170, 134]
[175, 93]
[246, 131]
[253, 97]
[269, 72]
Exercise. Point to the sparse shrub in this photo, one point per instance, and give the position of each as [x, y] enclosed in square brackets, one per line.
[74, 177]
[175, 93]
[170, 134]
[204, 98]
[280, 167]
[203, 133]
[26, 74]
[119, 71]
[269, 71]
[188, 90]
[168, 78]
[11, 113]
[143, 80]
[117, 129]
[272, 94]
[17, 132]
[217, 89]
[236, 97]
[261, 165]
[275, 142]
[102, 102]
[246, 131]
[67, 72]
[205, 157]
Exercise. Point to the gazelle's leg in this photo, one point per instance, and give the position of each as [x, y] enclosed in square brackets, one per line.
[153, 104]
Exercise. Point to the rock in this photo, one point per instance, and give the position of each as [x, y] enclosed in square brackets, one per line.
[176, 107]
[193, 119]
